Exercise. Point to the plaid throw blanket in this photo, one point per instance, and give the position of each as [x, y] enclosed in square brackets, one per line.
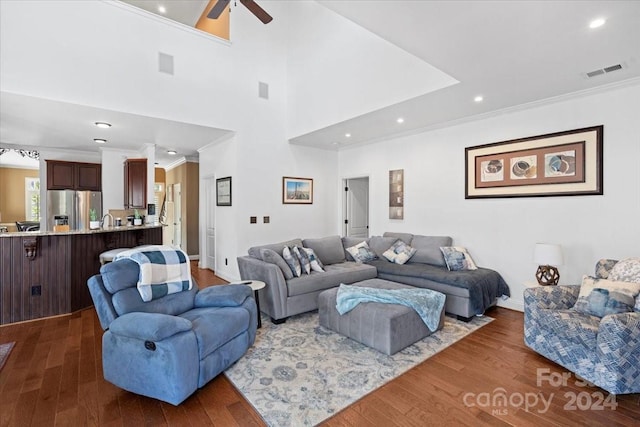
[163, 270]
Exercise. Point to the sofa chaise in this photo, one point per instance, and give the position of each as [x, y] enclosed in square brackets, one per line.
[468, 293]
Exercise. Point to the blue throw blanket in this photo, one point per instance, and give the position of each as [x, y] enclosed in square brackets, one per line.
[427, 303]
[163, 270]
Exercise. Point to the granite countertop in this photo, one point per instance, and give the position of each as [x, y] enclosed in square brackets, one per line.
[67, 233]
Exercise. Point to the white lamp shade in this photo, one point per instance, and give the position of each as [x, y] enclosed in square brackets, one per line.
[548, 254]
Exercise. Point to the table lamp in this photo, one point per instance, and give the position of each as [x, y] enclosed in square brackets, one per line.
[548, 256]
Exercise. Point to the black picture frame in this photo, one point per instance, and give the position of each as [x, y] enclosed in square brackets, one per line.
[581, 150]
[223, 191]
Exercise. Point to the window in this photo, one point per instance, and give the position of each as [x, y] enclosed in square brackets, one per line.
[32, 199]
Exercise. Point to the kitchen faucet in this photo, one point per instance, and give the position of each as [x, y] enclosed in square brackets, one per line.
[102, 220]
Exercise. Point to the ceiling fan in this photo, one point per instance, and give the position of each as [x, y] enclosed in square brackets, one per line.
[253, 7]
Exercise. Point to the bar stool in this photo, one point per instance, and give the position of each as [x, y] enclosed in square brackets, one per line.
[107, 256]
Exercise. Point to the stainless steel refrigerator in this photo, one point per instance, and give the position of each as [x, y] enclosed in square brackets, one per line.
[72, 208]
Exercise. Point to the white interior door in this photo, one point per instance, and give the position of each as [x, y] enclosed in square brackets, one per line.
[177, 215]
[357, 207]
[210, 261]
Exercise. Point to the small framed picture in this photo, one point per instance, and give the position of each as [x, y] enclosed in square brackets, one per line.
[297, 190]
[223, 191]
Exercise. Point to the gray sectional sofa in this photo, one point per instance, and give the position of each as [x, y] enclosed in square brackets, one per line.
[468, 293]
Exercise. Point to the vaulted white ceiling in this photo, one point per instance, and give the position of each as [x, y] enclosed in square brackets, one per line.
[510, 53]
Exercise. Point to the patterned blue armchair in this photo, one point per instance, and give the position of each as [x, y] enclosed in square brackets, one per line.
[169, 347]
[604, 351]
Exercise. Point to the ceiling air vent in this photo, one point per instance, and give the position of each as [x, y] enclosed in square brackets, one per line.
[605, 70]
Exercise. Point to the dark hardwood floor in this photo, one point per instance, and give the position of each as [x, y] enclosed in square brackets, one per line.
[54, 377]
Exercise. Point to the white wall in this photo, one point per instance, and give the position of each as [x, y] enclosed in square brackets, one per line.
[258, 155]
[501, 233]
[337, 70]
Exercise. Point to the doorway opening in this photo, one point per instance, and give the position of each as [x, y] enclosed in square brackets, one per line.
[356, 207]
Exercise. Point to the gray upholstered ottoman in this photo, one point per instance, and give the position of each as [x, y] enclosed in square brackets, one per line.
[386, 327]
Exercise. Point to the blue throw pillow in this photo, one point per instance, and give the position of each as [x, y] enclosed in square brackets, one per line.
[305, 264]
[292, 261]
[399, 252]
[314, 261]
[457, 258]
[362, 253]
[600, 297]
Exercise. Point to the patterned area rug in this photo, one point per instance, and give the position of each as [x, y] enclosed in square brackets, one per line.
[5, 350]
[299, 373]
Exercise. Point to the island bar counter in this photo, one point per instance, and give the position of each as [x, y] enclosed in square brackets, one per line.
[45, 273]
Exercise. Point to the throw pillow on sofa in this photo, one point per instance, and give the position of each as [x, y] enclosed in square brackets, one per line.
[399, 252]
[457, 258]
[305, 265]
[362, 253]
[626, 270]
[273, 257]
[314, 261]
[599, 297]
[292, 261]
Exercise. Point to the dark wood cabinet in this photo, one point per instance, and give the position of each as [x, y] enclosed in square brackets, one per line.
[89, 176]
[60, 175]
[135, 184]
[74, 176]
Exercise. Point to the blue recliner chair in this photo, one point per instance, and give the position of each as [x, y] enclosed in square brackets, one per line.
[169, 347]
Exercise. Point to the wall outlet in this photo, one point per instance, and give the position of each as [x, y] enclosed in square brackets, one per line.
[266, 219]
[36, 290]
[253, 220]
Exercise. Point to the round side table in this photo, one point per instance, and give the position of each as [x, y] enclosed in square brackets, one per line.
[255, 285]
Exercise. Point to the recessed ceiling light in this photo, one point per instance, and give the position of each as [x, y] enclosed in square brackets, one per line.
[99, 141]
[348, 135]
[478, 98]
[172, 152]
[162, 9]
[103, 125]
[400, 120]
[599, 22]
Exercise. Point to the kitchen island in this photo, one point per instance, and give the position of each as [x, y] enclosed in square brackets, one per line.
[45, 273]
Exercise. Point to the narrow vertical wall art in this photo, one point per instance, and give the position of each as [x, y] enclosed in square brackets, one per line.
[396, 194]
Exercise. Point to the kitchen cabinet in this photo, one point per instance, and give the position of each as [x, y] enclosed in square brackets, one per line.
[135, 184]
[74, 176]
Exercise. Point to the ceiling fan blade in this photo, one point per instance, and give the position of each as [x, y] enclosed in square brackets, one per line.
[259, 12]
[217, 9]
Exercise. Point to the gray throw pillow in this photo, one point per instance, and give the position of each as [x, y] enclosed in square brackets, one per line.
[379, 244]
[277, 247]
[273, 257]
[405, 237]
[328, 249]
[428, 249]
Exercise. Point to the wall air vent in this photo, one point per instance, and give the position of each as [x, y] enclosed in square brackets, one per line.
[605, 70]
